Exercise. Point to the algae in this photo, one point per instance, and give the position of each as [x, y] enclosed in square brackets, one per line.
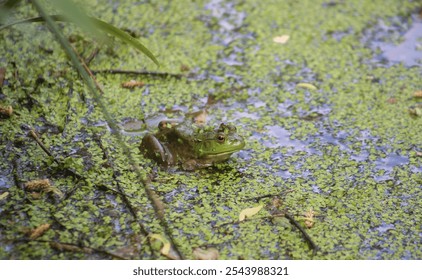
[336, 146]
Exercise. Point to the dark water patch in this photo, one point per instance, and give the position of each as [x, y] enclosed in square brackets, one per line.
[396, 41]
[383, 228]
[226, 25]
[410, 50]
[390, 161]
[239, 115]
[282, 139]
[224, 21]
[285, 174]
[5, 182]
[361, 157]
[244, 155]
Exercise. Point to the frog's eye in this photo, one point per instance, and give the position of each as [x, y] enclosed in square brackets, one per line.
[221, 138]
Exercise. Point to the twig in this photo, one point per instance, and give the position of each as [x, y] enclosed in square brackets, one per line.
[2, 75]
[136, 72]
[96, 92]
[45, 149]
[291, 220]
[92, 55]
[82, 61]
[123, 195]
[302, 230]
[72, 172]
[76, 248]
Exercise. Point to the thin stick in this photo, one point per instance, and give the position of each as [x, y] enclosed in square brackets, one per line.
[92, 55]
[96, 94]
[45, 149]
[302, 230]
[136, 72]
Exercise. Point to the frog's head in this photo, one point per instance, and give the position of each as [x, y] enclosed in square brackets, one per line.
[219, 144]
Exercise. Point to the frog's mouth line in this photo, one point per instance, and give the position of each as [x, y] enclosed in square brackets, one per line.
[221, 154]
[215, 155]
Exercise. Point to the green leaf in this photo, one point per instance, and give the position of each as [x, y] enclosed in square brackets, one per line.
[6, 7]
[73, 13]
[99, 25]
[125, 37]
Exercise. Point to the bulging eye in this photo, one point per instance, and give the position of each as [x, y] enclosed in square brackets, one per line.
[221, 138]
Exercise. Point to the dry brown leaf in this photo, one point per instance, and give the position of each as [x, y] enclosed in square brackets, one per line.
[42, 185]
[37, 185]
[37, 232]
[276, 202]
[249, 212]
[133, 84]
[184, 68]
[417, 94]
[281, 39]
[6, 111]
[207, 254]
[201, 117]
[392, 100]
[309, 218]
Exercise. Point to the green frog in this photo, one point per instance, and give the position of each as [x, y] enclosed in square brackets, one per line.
[191, 145]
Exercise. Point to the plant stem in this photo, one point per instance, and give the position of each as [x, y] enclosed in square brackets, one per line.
[114, 128]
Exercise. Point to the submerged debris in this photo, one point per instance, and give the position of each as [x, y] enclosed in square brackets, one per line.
[206, 254]
[309, 218]
[41, 185]
[6, 111]
[2, 75]
[133, 84]
[416, 110]
[417, 94]
[37, 232]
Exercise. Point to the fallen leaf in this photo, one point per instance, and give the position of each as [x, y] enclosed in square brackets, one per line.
[37, 185]
[6, 111]
[133, 84]
[166, 245]
[42, 185]
[392, 100]
[309, 218]
[207, 254]
[249, 212]
[37, 232]
[184, 68]
[200, 117]
[307, 86]
[417, 94]
[4, 195]
[281, 39]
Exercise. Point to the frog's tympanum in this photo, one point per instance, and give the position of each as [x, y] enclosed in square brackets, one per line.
[190, 145]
